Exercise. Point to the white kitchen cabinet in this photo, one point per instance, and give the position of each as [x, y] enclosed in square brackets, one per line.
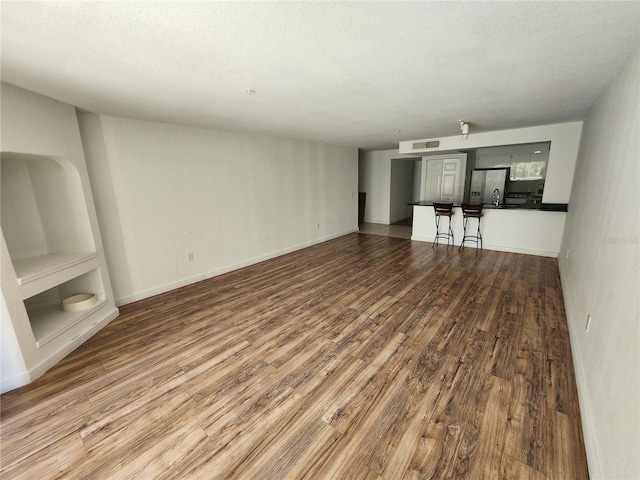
[493, 160]
[444, 178]
[527, 162]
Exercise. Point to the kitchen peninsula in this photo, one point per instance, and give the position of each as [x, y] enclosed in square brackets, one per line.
[533, 198]
[534, 230]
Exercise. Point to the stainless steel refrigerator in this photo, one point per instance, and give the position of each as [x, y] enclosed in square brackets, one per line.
[484, 183]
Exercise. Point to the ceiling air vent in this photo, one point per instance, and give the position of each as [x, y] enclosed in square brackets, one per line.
[423, 145]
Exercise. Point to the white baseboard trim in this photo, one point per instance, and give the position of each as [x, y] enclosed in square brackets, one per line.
[226, 269]
[500, 248]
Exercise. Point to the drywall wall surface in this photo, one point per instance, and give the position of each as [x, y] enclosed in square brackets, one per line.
[16, 202]
[401, 191]
[13, 370]
[374, 178]
[33, 124]
[564, 137]
[599, 267]
[417, 180]
[178, 204]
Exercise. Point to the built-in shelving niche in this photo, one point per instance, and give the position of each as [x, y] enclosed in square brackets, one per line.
[46, 227]
[46, 316]
[44, 216]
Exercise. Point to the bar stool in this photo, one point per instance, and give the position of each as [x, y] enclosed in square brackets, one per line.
[443, 210]
[471, 210]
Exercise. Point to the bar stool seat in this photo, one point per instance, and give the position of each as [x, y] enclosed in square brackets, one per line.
[443, 210]
[471, 210]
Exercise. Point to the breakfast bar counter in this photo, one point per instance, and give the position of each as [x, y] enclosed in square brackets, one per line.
[510, 228]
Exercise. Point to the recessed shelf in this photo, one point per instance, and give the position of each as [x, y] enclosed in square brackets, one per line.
[50, 321]
[32, 268]
[43, 209]
[37, 274]
[45, 311]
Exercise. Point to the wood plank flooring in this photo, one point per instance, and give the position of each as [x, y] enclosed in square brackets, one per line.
[365, 357]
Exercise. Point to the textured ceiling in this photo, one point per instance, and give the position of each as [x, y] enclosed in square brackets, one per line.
[363, 74]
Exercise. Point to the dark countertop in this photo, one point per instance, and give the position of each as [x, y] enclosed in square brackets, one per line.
[545, 207]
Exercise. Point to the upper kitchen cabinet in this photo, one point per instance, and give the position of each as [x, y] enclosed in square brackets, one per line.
[443, 178]
[526, 161]
[492, 159]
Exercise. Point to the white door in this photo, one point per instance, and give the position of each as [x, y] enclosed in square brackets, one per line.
[433, 180]
[444, 178]
[451, 175]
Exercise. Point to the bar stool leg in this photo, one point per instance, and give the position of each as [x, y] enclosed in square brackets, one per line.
[443, 210]
[448, 235]
[470, 238]
[464, 233]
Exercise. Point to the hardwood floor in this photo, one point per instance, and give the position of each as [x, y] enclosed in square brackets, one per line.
[365, 357]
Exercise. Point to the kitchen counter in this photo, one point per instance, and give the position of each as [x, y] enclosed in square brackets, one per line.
[547, 207]
[511, 228]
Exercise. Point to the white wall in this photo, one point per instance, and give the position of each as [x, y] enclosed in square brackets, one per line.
[600, 277]
[374, 178]
[417, 180]
[564, 137]
[13, 371]
[401, 189]
[163, 191]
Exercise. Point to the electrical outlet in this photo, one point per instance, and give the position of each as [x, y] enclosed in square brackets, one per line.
[588, 324]
[190, 256]
[351, 194]
[317, 226]
[567, 253]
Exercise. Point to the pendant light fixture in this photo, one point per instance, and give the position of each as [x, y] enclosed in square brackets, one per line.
[464, 129]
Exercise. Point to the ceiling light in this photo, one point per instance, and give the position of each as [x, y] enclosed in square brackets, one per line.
[538, 151]
[464, 129]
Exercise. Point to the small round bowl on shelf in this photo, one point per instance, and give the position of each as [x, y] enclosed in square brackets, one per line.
[79, 302]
